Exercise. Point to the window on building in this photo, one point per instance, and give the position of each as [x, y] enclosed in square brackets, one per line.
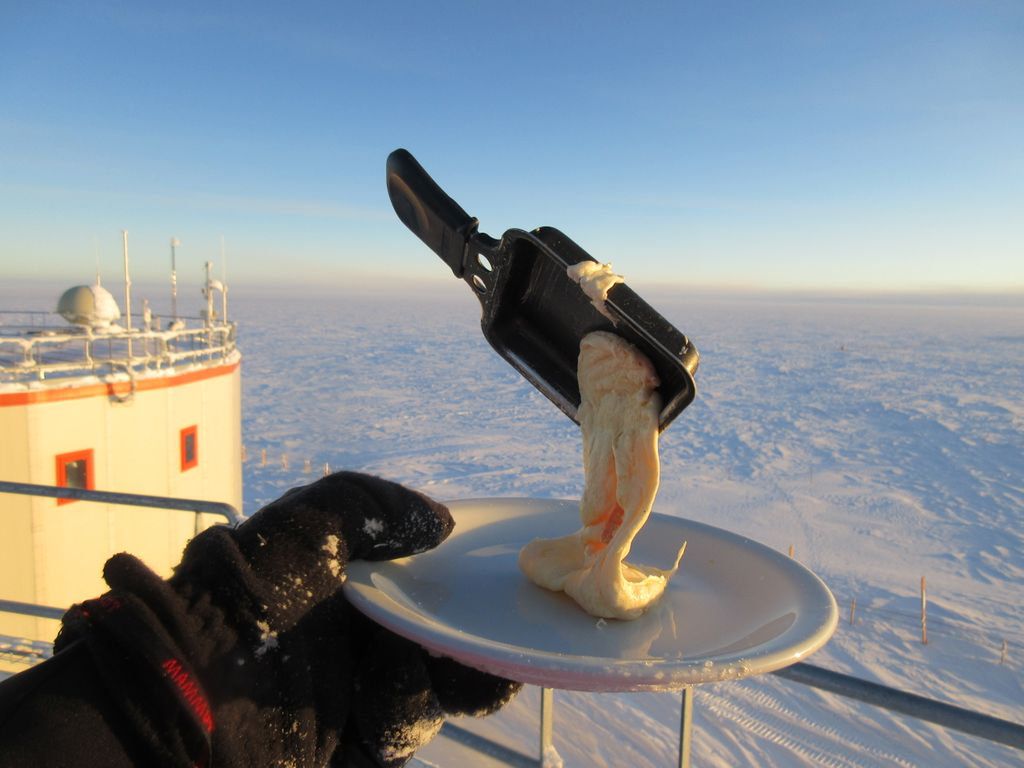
[189, 447]
[75, 470]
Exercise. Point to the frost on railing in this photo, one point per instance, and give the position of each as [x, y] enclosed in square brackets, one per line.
[35, 347]
[23, 651]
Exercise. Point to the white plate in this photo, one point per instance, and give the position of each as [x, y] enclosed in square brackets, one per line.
[735, 608]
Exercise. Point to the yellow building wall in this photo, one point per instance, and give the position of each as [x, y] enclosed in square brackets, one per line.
[17, 572]
[53, 554]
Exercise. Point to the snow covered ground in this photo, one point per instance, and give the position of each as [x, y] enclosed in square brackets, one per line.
[881, 438]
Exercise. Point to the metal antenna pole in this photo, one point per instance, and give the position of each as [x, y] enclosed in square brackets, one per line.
[127, 291]
[175, 242]
[223, 283]
[209, 296]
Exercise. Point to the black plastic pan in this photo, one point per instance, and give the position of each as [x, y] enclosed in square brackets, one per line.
[533, 313]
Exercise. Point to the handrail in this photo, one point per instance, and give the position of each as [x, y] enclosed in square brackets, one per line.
[221, 509]
[32, 609]
[957, 718]
[77, 351]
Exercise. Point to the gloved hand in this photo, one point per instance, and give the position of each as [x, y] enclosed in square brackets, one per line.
[251, 656]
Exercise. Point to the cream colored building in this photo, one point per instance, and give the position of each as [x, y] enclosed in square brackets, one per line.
[143, 411]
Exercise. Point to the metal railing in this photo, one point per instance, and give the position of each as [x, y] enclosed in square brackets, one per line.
[32, 609]
[218, 508]
[23, 651]
[956, 718]
[35, 352]
[919, 707]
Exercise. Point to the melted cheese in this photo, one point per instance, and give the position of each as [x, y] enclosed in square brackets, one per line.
[618, 415]
[595, 280]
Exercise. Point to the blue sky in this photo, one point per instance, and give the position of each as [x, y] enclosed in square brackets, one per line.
[788, 144]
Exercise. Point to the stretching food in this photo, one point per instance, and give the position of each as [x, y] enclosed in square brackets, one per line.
[619, 417]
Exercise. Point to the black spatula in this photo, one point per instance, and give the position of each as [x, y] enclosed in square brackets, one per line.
[533, 313]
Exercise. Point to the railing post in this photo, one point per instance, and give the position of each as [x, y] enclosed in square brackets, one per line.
[547, 722]
[685, 726]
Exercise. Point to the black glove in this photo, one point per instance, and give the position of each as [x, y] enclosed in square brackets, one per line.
[250, 655]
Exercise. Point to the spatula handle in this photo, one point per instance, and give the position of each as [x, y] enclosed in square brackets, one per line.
[424, 208]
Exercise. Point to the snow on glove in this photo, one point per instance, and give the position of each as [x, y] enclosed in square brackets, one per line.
[253, 649]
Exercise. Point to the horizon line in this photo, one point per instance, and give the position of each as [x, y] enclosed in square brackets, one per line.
[379, 283]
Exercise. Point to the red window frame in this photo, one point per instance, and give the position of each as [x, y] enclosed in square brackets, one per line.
[192, 432]
[62, 461]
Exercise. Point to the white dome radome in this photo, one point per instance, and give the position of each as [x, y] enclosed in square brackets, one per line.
[88, 305]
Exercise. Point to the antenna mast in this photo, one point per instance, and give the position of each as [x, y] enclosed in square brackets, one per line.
[127, 290]
[175, 242]
[208, 292]
[223, 282]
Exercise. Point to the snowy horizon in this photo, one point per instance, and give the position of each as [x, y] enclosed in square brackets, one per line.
[19, 291]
